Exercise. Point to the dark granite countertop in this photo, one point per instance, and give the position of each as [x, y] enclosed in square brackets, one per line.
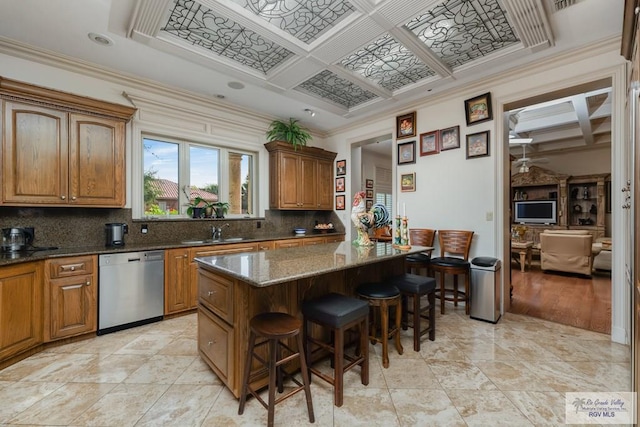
[267, 268]
[8, 258]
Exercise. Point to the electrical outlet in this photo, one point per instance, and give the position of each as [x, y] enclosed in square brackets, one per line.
[258, 224]
[144, 229]
[489, 216]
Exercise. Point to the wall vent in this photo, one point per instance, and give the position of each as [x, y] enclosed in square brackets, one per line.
[561, 4]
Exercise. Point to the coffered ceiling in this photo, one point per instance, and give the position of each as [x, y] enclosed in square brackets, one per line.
[340, 59]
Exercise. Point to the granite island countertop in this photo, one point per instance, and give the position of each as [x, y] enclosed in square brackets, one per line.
[267, 268]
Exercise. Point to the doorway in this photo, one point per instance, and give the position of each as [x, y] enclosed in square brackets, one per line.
[559, 141]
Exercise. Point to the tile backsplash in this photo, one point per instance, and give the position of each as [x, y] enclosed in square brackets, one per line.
[81, 227]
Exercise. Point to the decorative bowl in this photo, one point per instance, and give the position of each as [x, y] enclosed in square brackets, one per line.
[300, 230]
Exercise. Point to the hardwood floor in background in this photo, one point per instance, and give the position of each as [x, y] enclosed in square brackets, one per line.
[562, 298]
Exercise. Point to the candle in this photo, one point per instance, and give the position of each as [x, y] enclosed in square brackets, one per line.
[404, 209]
[398, 209]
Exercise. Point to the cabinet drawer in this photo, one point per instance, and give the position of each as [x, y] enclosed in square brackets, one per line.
[70, 266]
[223, 250]
[216, 293]
[215, 343]
[293, 243]
[313, 241]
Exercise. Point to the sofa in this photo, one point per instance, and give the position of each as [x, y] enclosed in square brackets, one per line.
[568, 251]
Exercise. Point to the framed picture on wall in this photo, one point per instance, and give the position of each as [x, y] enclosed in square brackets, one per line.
[407, 153]
[340, 203]
[369, 194]
[478, 109]
[341, 167]
[340, 184]
[368, 204]
[429, 143]
[406, 125]
[408, 182]
[478, 144]
[450, 138]
[369, 183]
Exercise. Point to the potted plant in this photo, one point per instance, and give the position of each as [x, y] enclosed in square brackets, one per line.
[290, 132]
[197, 208]
[221, 208]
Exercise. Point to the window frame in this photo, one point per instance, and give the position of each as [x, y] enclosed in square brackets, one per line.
[184, 143]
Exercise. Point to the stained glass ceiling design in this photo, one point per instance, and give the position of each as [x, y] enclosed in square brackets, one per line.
[334, 51]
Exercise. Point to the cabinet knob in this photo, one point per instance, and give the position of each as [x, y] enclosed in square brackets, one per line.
[88, 283]
[210, 343]
[63, 197]
[73, 268]
[211, 293]
[184, 256]
[73, 197]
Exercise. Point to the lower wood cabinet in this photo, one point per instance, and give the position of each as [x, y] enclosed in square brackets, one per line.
[70, 303]
[20, 308]
[177, 289]
[215, 345]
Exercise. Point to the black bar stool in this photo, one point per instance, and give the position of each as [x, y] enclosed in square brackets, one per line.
[415, 286]
[339, 313]
[274, 327]
[383, 295]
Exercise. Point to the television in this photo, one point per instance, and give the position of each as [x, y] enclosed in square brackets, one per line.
[535, 212]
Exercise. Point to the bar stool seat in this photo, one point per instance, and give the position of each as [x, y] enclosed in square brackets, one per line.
[339, 313]
[383, 295]
[416, 286]
[274, 327]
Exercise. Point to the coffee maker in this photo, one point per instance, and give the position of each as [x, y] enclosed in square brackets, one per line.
[115, 232]
[17, 239]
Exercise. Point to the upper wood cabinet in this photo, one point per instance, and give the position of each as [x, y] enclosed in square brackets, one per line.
[300, 179]
[60, 149]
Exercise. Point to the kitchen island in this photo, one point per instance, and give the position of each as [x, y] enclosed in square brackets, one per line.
[234, 288]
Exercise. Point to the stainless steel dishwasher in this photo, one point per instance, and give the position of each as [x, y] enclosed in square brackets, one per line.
[130, 290]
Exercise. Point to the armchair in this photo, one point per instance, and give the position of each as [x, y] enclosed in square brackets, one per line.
[566, 250]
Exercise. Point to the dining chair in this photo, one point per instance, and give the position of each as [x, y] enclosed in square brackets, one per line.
[454, 260]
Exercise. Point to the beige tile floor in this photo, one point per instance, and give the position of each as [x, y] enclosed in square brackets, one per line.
[475, 373]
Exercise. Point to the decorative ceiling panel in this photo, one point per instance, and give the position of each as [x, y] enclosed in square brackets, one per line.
[306, 20]
[388, 64]
[459, 31]
[199, 26]
[328, 86]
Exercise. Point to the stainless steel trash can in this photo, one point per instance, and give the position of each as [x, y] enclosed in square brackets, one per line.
[485, 289]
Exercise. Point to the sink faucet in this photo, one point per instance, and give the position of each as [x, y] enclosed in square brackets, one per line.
[216, 232]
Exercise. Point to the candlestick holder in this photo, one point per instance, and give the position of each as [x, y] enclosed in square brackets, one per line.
[397, 236]
[403, 232]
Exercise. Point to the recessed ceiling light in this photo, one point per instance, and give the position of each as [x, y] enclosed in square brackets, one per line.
[220, 96]
[235, 85]
[310, 112]
[101, 39]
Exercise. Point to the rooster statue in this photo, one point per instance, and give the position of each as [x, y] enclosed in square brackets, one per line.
[377, 217]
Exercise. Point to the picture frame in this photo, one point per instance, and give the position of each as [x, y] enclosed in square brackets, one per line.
[407, 153]
[449, 138]
[369, 194]
[340, 185]
[368, 205]
[429, 143]
[478, 144]
[408, 182]
[478, 109]
[369, 183]
[406, 125]
[341, 167]
[340, 202]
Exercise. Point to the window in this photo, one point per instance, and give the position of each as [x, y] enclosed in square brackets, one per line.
[176, 172]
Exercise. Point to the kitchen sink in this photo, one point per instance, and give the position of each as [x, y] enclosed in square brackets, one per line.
[200, 242]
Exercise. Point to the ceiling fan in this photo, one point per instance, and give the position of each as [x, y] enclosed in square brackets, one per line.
[524, 162]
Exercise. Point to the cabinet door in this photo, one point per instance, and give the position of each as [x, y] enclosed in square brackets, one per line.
[35, 153]
[289, 243]
[325, 185]
[308, 185]
[96, 161]
[177, 283]
[288, 180]
[71, 306]
[20, 308]
[215, 344]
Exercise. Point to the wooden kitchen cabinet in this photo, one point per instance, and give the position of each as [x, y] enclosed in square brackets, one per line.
[177, 287]
[65, 151]
[20, 308]
[71, 297]
[300, 179]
